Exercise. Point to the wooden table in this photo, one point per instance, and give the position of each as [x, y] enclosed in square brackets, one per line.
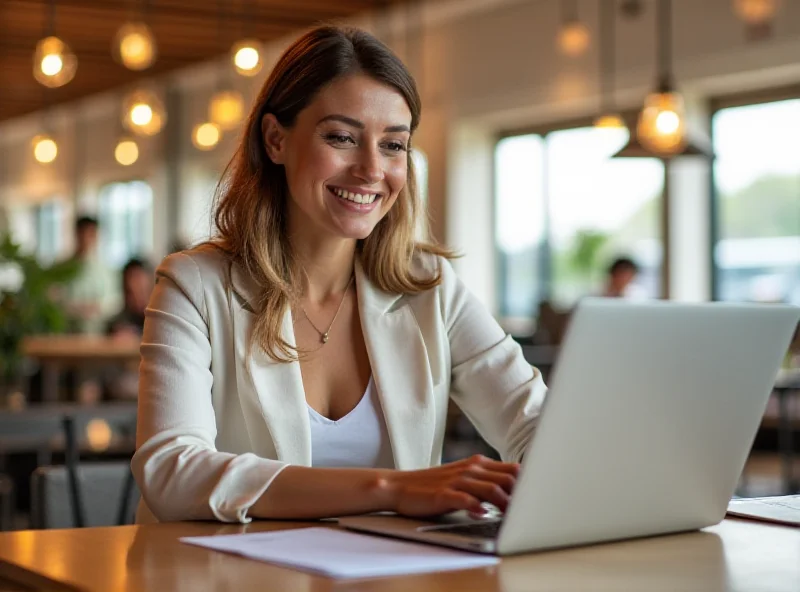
[55, 352]
[736, 555]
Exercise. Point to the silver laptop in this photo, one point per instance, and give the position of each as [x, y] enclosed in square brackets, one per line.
[652, 410]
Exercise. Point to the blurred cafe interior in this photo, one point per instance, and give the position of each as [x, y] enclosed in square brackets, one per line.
[641, 149]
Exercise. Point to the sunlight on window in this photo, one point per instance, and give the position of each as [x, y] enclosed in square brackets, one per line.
[519, 222]
[757, 178]
[125, 213]
[600, 208]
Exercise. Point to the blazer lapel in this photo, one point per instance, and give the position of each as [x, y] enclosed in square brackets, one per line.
[270, 392]
[400, 371]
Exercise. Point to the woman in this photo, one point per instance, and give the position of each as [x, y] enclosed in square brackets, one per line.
[300, 364]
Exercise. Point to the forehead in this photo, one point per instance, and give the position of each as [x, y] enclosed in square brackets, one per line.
[362, 98]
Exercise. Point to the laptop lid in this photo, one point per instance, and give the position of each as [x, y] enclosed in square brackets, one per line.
[651, 414]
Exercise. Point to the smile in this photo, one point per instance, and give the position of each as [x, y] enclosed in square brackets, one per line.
[355, 197]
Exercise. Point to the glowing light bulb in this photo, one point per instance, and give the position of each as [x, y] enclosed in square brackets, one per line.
[668, 122]
[247, 57]
[573, 38]
[609, 121]
[135, 46]
[127, 152]
[226, 109]
[52, 64]
[45, 149]
[141, 114]
[662, 124]
[205, 136]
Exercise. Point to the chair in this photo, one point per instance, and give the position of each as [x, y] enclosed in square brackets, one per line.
[106, 496]
[39, 431]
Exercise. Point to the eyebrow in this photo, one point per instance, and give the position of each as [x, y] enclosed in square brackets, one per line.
[360, 125]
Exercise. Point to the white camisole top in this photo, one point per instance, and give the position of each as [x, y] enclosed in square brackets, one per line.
[359, 439]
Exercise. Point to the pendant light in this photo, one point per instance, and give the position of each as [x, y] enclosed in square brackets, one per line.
[609, 118]
[573, 36]
[661, 128]
[54, 63]
[143, 113]
[757, 15]
[226, 107]
[247, 53]
[134, 44]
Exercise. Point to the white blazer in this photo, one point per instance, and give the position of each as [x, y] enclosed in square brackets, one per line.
[213, 431]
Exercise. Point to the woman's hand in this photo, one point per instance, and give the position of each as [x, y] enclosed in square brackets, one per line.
[461, 485]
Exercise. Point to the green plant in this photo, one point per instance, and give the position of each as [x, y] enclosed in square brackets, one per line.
[588, 244]
[28, 303]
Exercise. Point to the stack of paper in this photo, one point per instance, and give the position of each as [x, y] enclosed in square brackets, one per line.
[341, 554]
[781, 509]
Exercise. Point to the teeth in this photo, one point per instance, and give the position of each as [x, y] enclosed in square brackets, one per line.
[356, 197]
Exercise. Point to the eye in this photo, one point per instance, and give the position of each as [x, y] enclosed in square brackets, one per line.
[339, 139]
[395, 146]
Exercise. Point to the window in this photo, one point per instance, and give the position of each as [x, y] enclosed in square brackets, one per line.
[564, 209]
[420, 162]
[757, 202]
[49, 226]
[125, 214]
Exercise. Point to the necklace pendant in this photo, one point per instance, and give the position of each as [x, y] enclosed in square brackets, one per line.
[324, 338]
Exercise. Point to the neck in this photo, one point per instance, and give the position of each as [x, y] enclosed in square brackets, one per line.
[328, 265]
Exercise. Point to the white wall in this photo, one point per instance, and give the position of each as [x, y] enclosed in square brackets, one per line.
[483, 66]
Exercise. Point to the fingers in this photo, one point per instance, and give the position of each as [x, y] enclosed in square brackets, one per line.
[480, 461]
[461, 500]
[484, 491]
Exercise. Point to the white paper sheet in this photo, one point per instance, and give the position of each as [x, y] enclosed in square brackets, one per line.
[342, 554]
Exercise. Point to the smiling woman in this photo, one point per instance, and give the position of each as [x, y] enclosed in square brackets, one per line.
[300, 364]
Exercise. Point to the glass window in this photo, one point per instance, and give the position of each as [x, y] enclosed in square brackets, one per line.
[125, 214]
[564, 209]
[600, 208]
[757, 192]
[520, 223]
[420, 161]
[49, 225]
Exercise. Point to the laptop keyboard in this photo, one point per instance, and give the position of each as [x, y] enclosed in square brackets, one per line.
[487, 530]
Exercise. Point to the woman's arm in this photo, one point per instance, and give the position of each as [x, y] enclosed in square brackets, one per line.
[179, 471]
[492, 383]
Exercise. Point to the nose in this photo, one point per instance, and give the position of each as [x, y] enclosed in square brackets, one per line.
[369, 167]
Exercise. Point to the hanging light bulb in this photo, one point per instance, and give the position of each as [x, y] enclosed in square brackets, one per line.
[246, 56]
[54, 64]
[755, 12]
[127, 151]
[143, 113]
[573, 38]
[135, 46]
[206, 135]
[662, 123]
[226, 109]
[45, 148]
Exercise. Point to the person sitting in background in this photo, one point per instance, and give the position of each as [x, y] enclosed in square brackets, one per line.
[92, 295]
[301, 363]
[137, 284]
[621, 274]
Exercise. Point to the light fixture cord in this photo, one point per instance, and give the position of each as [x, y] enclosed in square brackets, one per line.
[664, 33]
[51, 21]
[607, 54]
[569, 11]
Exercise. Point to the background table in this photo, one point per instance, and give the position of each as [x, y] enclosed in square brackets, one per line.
[736, 555]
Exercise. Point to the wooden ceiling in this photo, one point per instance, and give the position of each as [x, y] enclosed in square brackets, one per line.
[186, 31]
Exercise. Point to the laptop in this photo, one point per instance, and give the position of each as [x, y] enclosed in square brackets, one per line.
[652, 410]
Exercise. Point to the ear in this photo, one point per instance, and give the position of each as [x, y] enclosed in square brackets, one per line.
[274, 135]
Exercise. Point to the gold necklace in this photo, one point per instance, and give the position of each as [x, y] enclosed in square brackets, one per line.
[323, 336]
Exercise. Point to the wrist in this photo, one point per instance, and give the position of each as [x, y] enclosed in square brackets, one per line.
[386, 490]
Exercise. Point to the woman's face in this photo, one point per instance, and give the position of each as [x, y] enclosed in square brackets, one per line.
[345, 157]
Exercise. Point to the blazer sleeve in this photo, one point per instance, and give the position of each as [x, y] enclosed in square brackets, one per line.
[491, 381]
[179, 471]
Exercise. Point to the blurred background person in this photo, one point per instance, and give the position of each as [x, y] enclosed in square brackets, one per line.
[620, 278]
[93, 294]
[137, 283]
[128, 323]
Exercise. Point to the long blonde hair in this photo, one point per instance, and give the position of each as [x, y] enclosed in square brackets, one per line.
[251, 198]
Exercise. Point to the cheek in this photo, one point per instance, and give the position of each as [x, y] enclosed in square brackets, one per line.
[396, 175]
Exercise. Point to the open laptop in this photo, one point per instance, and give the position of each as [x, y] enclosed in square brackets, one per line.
[652, 410]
